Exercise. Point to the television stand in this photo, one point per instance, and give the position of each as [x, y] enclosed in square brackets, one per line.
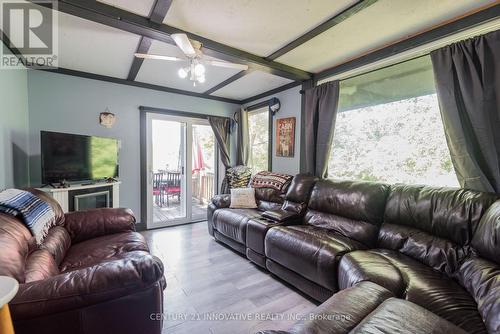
[73, 197]
[88, 183]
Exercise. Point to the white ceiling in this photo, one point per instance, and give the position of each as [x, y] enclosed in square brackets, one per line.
[256, 26]
[250, 85]
[164, 73]
[95, 48]
[141, 7]
[92, 47]
[383, 23]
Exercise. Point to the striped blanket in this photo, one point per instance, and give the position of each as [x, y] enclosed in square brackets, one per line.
[36, 214]
[276, 181]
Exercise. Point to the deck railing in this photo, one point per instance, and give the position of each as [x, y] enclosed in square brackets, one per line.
[203, 186]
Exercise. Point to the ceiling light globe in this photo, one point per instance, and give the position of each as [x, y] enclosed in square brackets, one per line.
[199, 69]
[182, 73]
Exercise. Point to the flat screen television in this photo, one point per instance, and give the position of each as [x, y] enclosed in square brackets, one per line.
[77, 158]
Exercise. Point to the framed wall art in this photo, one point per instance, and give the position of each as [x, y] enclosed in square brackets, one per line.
[285, 137]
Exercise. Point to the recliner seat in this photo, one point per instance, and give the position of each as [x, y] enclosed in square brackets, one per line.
[341, 217]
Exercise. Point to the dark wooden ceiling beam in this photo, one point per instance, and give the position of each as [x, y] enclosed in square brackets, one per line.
[143, 47]
[133, 23]
[333, 21]
[137, 84]
[157, 15]
[442, 31]
[5, 39]
[226, 82]
[271, 92]
[159, 11]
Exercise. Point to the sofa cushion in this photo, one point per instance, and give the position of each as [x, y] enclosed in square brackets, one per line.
[422, 285]
[360, 266]
[399, 316]
[310, 251]
[481, 278]
[233, 222]
[14, 245]
[93, 251]
[433, 225]
[344, 310]
[269, 199]
[486, 240]
[353, 209]
[40, 265]
[57, 243]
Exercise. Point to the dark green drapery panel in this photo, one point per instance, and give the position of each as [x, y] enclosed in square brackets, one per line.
[220, 127]
[467, 77]
[321, 105]
[242, 146]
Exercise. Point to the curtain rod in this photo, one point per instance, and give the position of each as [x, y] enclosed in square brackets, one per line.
[177, 112]
[273, 104]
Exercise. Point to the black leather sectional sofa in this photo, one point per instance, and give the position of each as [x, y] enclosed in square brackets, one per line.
[385, 259]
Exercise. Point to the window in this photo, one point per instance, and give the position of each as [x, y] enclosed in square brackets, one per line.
[389, 128]
[258, 130]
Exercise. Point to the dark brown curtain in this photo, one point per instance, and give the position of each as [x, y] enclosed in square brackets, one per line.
[242, 146]
[221, 129]
[321, 104]
[467, 77]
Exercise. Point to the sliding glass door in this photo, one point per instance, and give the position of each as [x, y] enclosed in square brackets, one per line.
[181, 167]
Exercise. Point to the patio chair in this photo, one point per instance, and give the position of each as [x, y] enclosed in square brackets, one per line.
[157, 188]
[172, 186]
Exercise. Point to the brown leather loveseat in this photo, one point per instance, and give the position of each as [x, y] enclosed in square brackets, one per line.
[92, 274]
[408, 259]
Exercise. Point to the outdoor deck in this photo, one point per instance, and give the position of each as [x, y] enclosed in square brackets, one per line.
[163, 214]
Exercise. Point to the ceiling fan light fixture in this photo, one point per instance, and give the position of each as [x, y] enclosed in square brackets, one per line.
[182, 73]
[199, 69]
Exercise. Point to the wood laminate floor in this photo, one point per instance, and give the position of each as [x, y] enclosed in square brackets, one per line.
[211, 289]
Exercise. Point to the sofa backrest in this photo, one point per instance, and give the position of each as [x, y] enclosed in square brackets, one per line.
[480, 272]
[269, 198]
[20, 257]
[433, 225]
[298, 193]
[486, 239]
[354, 209]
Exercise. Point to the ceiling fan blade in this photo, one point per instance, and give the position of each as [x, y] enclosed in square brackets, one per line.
[184, 44]
[225, 64]
[158, 57]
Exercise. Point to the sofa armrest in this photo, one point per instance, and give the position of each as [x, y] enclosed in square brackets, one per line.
[222, 201]
[87, 286]
[84, 225]
[281, 216]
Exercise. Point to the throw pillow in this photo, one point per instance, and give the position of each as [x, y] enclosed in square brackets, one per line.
[243, 198]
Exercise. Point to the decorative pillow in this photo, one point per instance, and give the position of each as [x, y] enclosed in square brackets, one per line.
[243, 198]
[272, 180]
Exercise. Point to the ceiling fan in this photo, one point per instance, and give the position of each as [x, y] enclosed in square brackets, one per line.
[195, 58]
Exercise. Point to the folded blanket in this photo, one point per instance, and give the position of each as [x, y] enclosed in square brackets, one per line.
[36, 214]
[272, 180]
